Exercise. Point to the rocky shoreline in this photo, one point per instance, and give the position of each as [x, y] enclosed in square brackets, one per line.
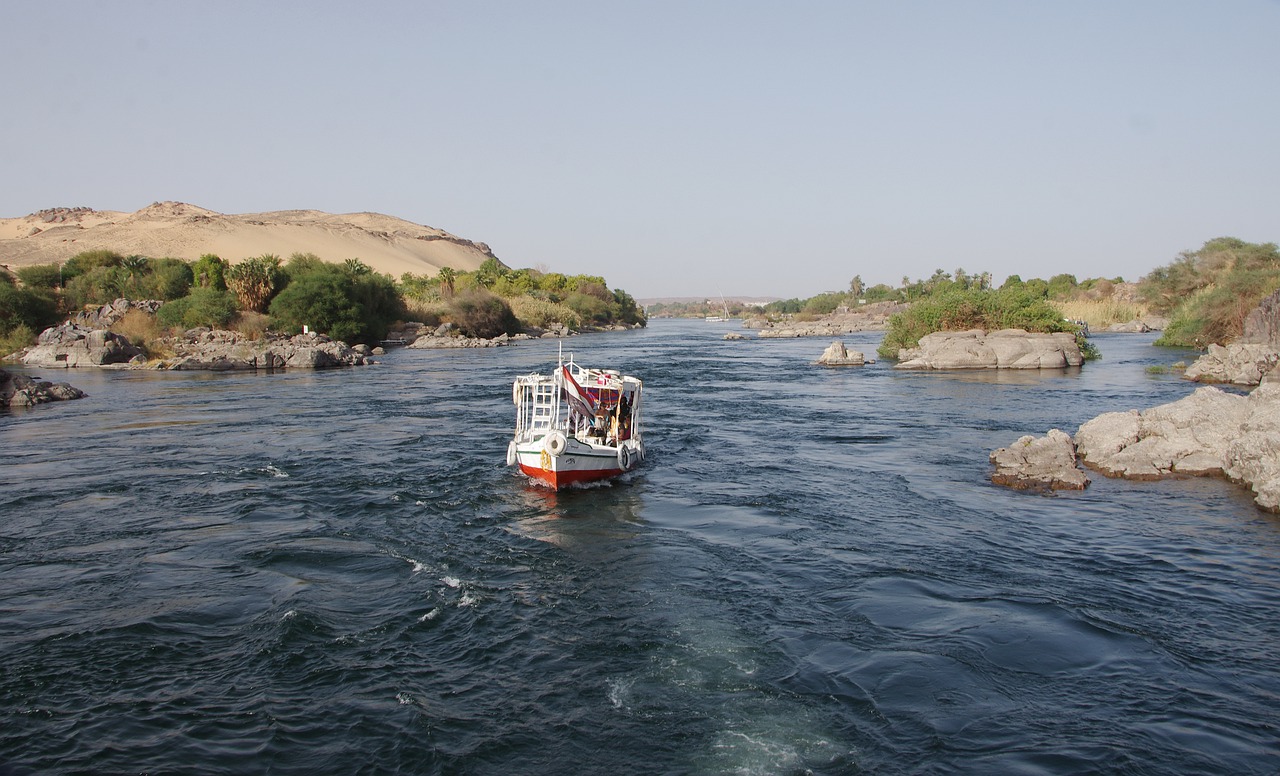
[86, 341]
[1211, 433]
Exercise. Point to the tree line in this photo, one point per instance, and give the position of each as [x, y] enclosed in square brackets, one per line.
[347, 301]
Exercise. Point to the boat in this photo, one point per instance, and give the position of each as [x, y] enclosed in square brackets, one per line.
[576, 425]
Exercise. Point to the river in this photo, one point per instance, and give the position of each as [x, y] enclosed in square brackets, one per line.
[335, 572]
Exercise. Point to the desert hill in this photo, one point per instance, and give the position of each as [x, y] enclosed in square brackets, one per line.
[183, 231]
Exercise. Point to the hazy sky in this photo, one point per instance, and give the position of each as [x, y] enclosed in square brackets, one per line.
[677, 148]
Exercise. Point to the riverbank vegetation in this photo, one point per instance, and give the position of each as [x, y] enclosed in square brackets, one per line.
[348, 301]
[1207, 293]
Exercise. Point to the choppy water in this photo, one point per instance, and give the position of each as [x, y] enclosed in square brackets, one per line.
[335, 572]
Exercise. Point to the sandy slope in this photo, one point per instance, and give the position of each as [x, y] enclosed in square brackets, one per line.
[183, 231]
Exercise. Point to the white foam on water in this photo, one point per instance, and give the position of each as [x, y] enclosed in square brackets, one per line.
[468, 600]
[619, 691]
[453, 582]
[404, 698]
[289, 615]
[429, 616]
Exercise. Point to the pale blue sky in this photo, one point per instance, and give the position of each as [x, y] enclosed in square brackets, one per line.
[676, 148]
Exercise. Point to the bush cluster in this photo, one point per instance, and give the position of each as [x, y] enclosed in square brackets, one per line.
[1209, 292]
[961, 310]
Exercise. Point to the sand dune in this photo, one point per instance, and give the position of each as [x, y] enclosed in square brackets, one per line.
[184, 231]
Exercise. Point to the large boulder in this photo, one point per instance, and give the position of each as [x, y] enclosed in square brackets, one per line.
[1253, 456]
[1262, 325]
[1004, 349]
[1245, 363]
[23, 391]
[72, 345]
[1211, 432]
[1046, 463]
[837, 354]
[1189, 436]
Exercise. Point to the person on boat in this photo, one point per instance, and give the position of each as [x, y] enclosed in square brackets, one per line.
[624, 418]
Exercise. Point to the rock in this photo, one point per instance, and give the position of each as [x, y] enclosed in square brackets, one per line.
[72, 345]
[437, 343]
[1253, 457]
[1004, 349]
[1249, 360]
[1047, 463]
[837, 355]
[23, 391]
[107, 315]
[202, 349]
[1262, 325]
[733, 335]
[1132, 327]
[1189, 436]
[1210, 432]
[1237, 363]
[444, 330]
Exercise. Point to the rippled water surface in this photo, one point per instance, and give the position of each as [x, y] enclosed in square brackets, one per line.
[334, 572]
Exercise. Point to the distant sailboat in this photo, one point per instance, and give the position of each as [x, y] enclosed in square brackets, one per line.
[717, 318]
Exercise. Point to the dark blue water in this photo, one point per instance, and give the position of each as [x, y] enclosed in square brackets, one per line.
[334, 572]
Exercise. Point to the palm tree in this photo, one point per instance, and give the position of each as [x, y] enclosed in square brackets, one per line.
[447, 275]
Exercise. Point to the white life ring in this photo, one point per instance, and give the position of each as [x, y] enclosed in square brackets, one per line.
[554, 443]
[624, 458]
[511, 452]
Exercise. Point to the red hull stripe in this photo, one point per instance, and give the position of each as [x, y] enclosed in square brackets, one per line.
[558, 480]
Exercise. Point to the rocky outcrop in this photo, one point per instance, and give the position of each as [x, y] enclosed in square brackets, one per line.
[106, 316]
[1189, 436]
[733, 335]
[73, 345]
[23, 391]
[437, 343]
[873, 317]
[1210, 432]
[1237, 363]
[1250, 359]
[837, 355]
[216, 350]
[1046, 463]
[1004, 349]
[1262, 326]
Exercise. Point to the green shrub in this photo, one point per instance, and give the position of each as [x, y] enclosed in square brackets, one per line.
[41, 276]
[202, 307]
[1209, 292]
[322, 301]
[542, 314]
[167, 279]
[480, 313]
[590, 309]
[17, 338]
[33, 308]
[89, 260]
[210, 271]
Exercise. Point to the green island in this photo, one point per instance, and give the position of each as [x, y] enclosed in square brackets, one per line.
[347, 301]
